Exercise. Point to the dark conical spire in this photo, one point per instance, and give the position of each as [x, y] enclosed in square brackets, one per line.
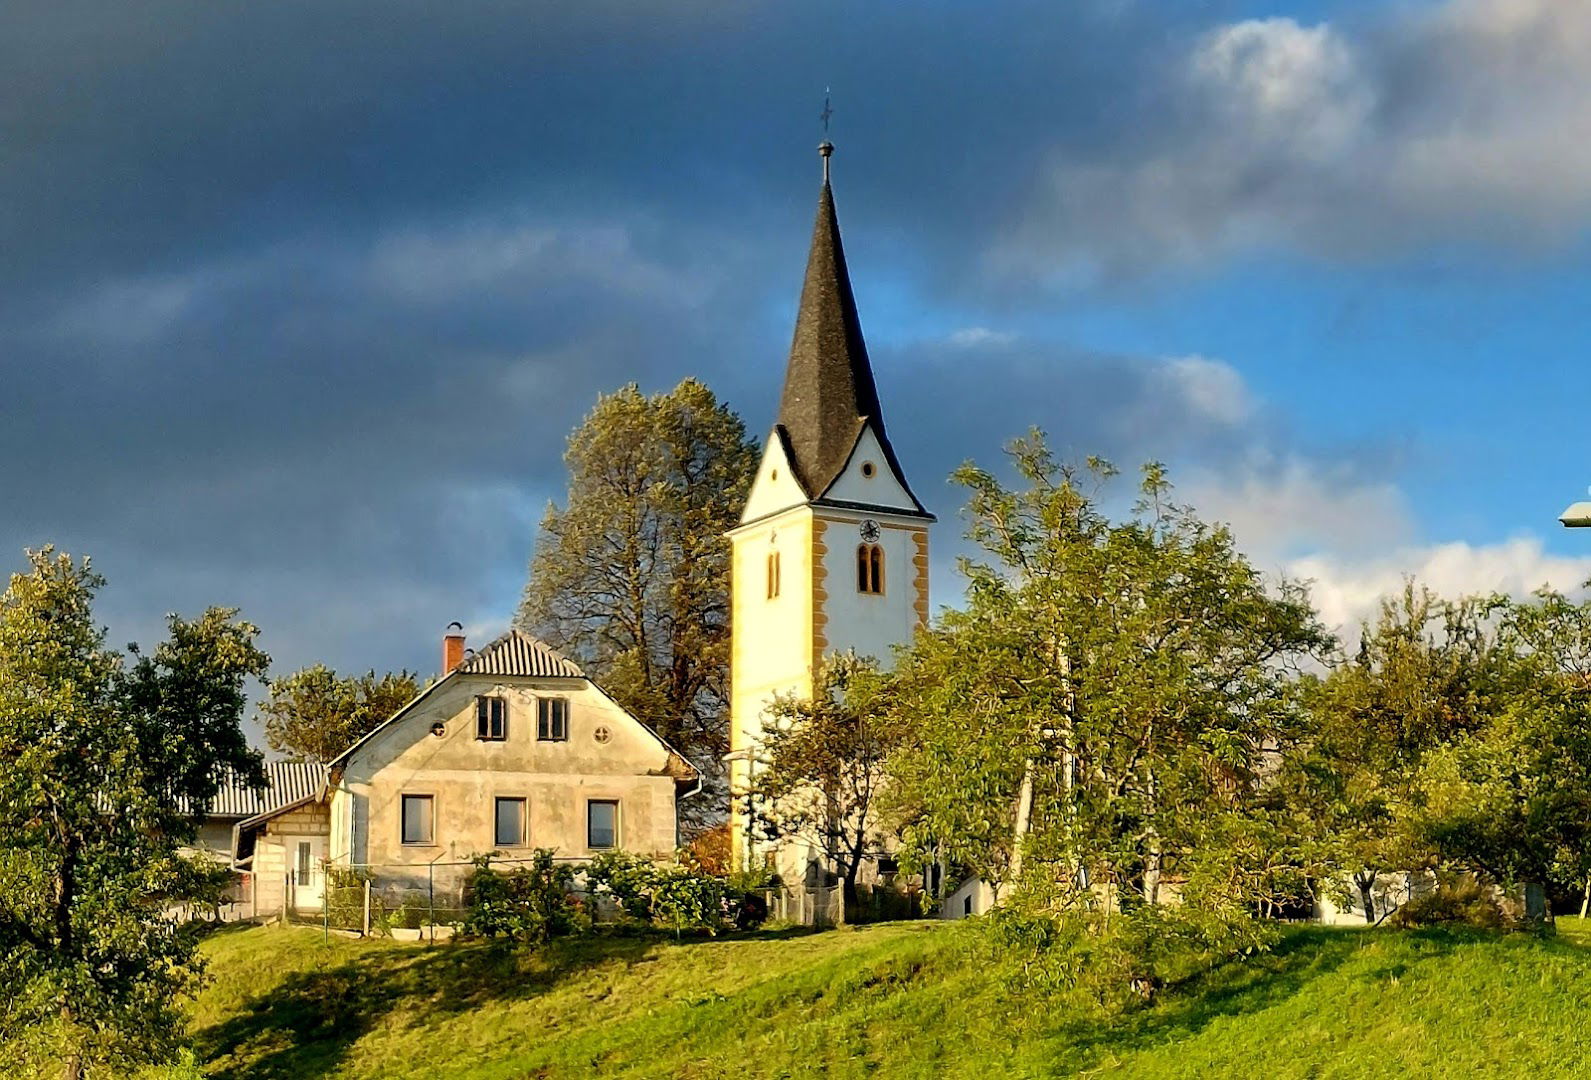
[828, 387]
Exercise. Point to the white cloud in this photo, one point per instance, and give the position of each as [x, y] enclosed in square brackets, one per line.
[1282, 83]
[1280, 508]
[1357, 540]
[440, 264]
[1470, 120]
[972, 336]
[1210, 388]
[138, 309]
[1348, 592]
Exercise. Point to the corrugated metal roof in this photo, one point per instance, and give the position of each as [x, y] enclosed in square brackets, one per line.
[517, 653]
[289, 782]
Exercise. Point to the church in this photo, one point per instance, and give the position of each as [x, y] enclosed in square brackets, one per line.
[831, 553]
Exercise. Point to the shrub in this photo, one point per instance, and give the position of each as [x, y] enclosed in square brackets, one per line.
[1119, 960]
[1461, 901]
[671, 897]
[345, 897]
[530, 904]
[708, 851]
[684, 899]
[626, 879]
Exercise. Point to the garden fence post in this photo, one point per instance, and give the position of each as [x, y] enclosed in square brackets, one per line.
[366, 929]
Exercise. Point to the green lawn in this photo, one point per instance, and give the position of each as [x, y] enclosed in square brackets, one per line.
[903, 1000]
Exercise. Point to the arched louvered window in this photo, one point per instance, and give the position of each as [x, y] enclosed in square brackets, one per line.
[870, 569]
[773, 574]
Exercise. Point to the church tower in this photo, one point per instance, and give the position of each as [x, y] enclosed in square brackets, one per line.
[831, 553]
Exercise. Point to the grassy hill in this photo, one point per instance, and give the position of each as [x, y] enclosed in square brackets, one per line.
[902, 1000]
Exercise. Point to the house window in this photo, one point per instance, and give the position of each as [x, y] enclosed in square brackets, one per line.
[869, 569]
[510, 827]
[602, 824]
[301, 873]
[491, 719]
[552, 719]
[773, 574]
[419, 819]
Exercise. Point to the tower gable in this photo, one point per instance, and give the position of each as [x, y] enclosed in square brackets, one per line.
[776, 487]
[870, 479]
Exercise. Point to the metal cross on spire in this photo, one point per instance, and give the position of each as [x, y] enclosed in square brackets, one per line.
[825, 148]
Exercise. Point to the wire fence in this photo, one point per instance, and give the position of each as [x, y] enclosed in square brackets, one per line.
[400, 900]
[427, 901]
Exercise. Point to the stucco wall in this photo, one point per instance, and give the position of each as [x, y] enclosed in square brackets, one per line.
[465, 776]
[971, 897]
[868, 478]
[871, 624]
[771, 639]
[774, 488]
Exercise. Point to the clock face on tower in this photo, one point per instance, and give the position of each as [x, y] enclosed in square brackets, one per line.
[870, 531]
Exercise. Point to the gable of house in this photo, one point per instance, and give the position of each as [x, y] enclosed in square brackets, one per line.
[516, 733]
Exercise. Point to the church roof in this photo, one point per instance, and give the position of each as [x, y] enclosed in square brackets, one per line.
[829, 394]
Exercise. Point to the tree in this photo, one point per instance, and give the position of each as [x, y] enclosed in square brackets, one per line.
[314, 714]
[820, 766]
[1511, 799]
[631, 575]
[109, 763]
[1426, 673]
[1110, 691]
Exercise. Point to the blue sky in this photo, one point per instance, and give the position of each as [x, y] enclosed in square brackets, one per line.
[299, 301]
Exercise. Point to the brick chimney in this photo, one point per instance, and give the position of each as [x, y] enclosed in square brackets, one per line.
[452, 647]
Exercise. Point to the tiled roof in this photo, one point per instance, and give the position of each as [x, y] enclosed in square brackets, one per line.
[517, 653]
[829, 394]
[289, 782]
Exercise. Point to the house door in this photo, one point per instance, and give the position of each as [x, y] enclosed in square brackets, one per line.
[307, 867]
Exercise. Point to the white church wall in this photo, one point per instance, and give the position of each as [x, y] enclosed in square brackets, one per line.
[868, 478]
[871, 624]
[771, 651]
[775, 487]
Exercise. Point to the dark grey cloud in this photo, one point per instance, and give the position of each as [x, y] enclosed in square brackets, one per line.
[298, 301]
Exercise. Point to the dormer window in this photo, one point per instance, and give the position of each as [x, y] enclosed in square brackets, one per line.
[870, 569]
[491, 719]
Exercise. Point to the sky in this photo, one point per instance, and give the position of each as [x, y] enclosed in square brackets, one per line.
[299, 301]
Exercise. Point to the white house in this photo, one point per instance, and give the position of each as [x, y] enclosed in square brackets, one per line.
[512, 749]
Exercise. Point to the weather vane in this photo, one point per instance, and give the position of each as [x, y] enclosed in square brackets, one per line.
[825, 148]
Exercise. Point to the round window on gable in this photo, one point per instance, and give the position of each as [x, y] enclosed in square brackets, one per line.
[774, 475]
[438, 729]
[602, 734]
[868, 470]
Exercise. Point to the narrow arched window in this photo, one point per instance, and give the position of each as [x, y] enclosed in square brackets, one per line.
[773, 574]
[870, 569]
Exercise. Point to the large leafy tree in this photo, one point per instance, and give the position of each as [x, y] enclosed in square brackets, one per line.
[1109, 694]
[1427, 673]
[109, 760]
[820, 769]
[314, 714]
[1511, 799]
[631, 574]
